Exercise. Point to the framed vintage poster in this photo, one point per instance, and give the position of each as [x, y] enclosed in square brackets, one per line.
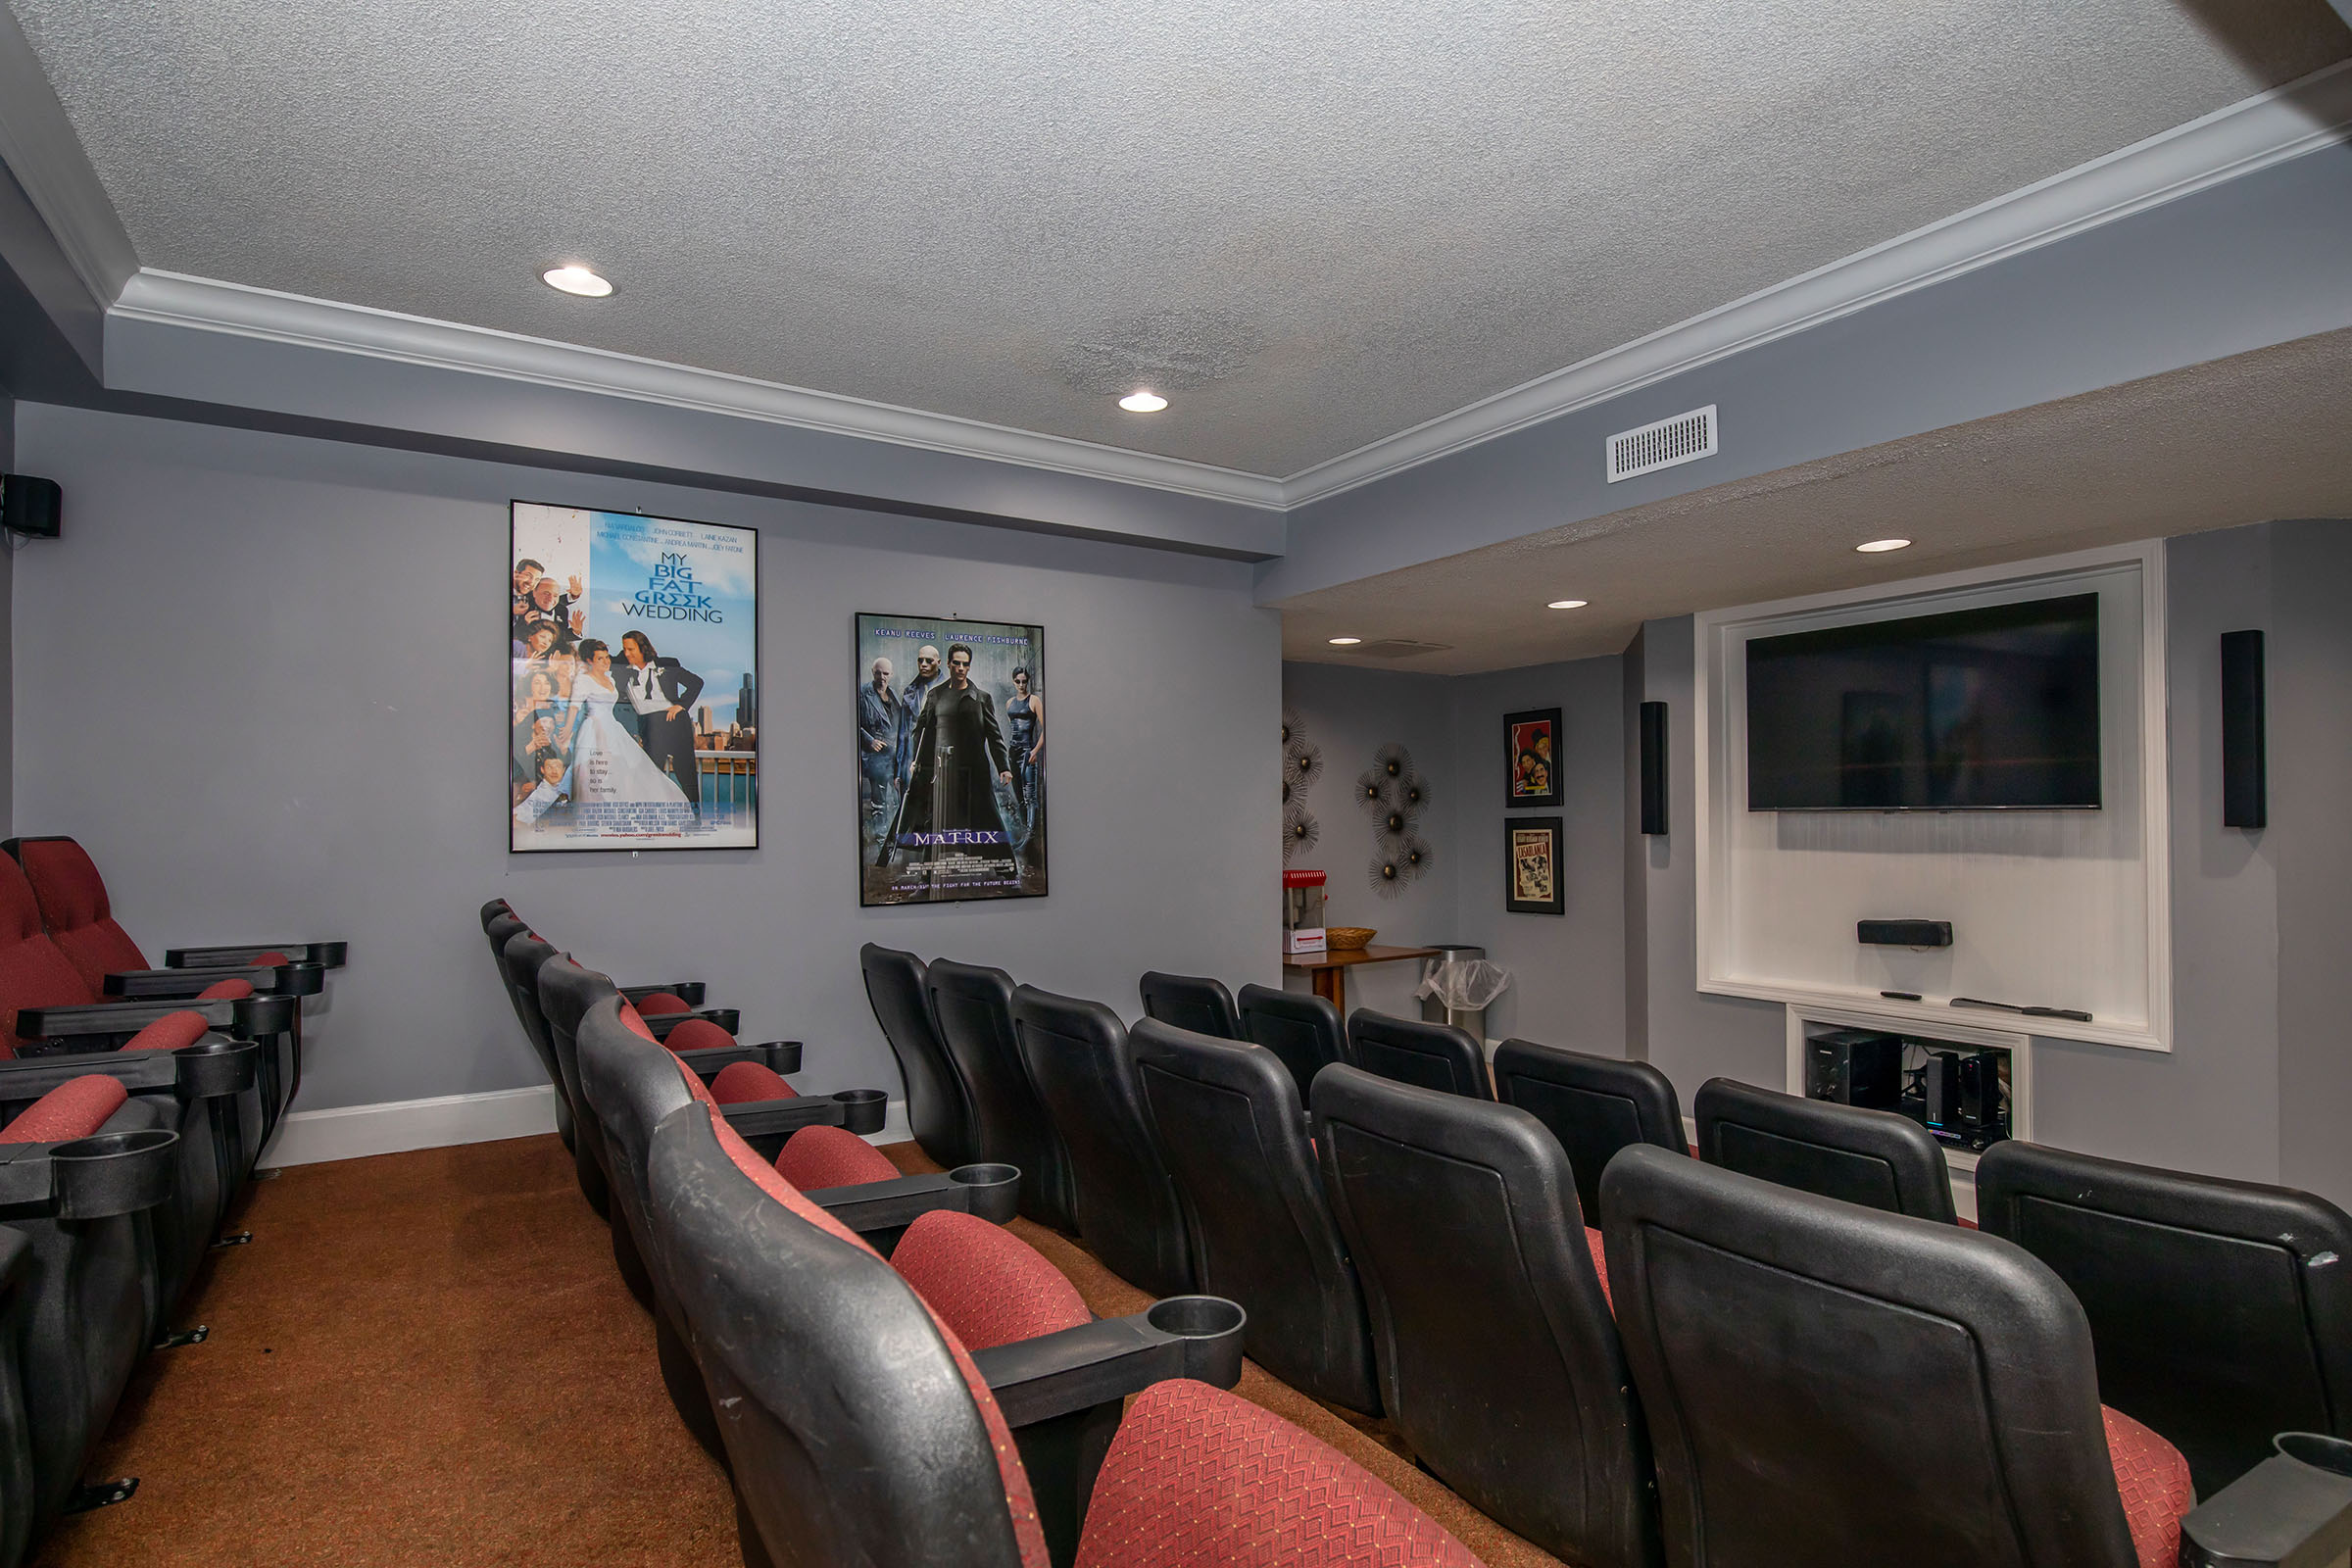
[1530, 872]
[951, 760]
[1530, 744]
[633, 679]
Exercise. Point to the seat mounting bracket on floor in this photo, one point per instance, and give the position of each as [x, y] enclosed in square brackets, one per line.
[99, 1495]
[177, 1339]
[233, 1239]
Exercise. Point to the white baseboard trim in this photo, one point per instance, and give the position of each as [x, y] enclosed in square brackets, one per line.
[397, 1126]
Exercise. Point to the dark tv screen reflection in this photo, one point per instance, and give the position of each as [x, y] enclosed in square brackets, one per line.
[1996, 707]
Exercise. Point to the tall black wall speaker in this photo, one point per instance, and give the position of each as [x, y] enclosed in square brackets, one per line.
[1653, 767]
[2245, 764]
[33, 508]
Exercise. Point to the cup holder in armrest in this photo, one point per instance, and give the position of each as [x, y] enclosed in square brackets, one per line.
[992, 1192]
[212, 1068]
[299, 980]
[781, 1057]
[2316, 1450]
[114, 1173]
[1210, 1327]
[863, 1111]
[262, 1014]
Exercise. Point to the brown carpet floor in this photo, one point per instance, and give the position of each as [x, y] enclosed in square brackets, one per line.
[429, 1358]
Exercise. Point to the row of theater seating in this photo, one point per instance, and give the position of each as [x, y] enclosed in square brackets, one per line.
[887, 1376]
[136, 1103]
[1786, 1351]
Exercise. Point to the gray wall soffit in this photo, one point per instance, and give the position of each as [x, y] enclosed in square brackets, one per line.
[564, 427]
[40, 268]
[38, 145]
[2241, 266]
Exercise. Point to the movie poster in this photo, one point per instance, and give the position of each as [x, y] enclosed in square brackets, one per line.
[951, 760]
[632, 667]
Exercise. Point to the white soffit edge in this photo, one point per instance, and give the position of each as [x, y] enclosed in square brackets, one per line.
[2301, 117]
[2243, 138]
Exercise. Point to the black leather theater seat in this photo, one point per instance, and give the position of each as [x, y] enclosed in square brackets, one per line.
[1595, 1106]
[2220, 1311]
[1198, 1002]
[1499, 1359]
[1435, 1056]
[1076, 1053]
[974, 1007]
[1302, 1029]
[1872, 1158]
[1229, 1124]
[1826, 1382]
[939, 1108]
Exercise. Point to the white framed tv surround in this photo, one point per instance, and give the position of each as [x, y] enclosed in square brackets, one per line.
[2060, 908]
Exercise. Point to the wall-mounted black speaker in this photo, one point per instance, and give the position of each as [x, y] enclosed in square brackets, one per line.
[33, 508]
[1653, 767]
[1904, 932]
[2245, 766]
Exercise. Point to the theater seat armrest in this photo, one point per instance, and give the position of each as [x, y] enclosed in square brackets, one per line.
[325, 955]
[779, 1056]
[662, 1023]
[105, 1174]
[2280, 1514]
[764, 1124]
[991, 1191]
[282, 980]
[1196, 1336]
[99, 1020]
[689, 992]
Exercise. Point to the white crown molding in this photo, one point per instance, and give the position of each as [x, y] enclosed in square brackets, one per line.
[2241, 140]
[174, 298]
[38, 144]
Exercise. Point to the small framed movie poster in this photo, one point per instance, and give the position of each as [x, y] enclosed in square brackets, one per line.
[951, 742]
[1532, 865]
[1530, 744]
[632, 679]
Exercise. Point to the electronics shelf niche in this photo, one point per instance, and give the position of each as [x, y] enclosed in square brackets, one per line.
[2054, 907]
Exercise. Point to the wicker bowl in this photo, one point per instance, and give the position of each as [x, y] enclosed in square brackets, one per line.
[1348, 938]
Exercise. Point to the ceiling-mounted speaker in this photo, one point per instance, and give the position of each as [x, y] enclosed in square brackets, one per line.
[1653, 768]
[2245, 764]
[33, 508]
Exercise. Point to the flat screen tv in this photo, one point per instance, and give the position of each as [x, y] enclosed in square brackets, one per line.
[1991, 708]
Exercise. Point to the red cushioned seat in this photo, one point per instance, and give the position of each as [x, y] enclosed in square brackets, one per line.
[818, 1157]
[34, 972]
[1600, 1263]
[987, 1284]
[2152, 1479]
[1200, 1476]
[226, 991]
[74, 907]
[660, 1001]
[74, 1110]
[742, 1082]
[635, 1022]
[698, 1034]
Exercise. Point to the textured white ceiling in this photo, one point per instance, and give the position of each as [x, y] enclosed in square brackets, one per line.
[1310, 224]
[2247, 439]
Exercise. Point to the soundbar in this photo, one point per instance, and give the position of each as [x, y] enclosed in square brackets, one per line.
[1904, 932]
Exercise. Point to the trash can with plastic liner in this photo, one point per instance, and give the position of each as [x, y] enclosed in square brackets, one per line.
[1458, 985]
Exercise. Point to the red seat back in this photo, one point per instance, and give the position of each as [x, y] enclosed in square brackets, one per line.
[74, 906]
[33, 972]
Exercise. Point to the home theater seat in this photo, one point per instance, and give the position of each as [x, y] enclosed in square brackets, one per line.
[1791, 565]
[1231, 1128]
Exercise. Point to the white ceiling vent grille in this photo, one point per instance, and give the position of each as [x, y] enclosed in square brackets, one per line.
[1401, 648]
[1685, 438]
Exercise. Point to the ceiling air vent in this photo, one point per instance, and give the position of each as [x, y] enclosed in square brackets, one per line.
[1685, 438]
[1401, 648]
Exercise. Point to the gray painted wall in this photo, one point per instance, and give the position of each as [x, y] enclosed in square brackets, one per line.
[2310, 669]
[251, 677]
[1350, 714]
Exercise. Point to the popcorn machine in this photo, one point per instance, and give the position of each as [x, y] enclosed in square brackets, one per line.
[1301, 912]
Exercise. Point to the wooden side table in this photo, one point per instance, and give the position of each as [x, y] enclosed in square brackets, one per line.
[1327, 972]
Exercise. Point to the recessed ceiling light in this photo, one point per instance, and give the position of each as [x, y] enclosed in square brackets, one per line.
[1566, 603]
[1346, 641]
[1142, 402]
[578, 281]
[1879, 547]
